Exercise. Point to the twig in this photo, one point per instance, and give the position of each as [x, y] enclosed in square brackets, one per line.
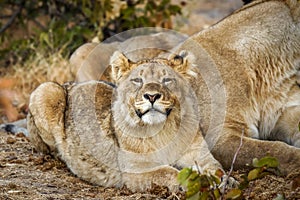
[197, 166]
[233, 161]
[12, 19]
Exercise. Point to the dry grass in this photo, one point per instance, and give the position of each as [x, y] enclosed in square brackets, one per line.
[37, 70]
[29, 75]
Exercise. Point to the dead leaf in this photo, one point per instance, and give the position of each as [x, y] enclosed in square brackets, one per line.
[5, 99]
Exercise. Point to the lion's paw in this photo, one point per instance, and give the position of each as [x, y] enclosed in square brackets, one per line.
[162, 176]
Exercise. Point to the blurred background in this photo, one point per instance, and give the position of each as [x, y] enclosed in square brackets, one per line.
[37, 37]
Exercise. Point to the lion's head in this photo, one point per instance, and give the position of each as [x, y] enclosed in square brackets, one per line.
[151, 93]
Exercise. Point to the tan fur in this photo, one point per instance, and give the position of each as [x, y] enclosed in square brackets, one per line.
[256, 51]
[104, 141]
[246, 64]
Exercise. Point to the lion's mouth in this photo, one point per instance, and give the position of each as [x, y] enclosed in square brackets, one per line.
[141, 114]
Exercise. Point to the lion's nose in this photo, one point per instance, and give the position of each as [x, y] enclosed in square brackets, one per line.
[152, 97]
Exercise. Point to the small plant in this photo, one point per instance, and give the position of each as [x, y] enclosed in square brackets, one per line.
[200, 186]
[262, 167]
[206, 186]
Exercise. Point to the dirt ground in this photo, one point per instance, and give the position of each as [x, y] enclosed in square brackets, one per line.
[27, 174]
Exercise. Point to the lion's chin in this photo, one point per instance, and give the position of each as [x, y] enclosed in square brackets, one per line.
[153, 117]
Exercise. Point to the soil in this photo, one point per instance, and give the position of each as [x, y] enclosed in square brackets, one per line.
[28, 174]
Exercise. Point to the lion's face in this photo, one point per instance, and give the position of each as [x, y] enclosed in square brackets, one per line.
[148, 92]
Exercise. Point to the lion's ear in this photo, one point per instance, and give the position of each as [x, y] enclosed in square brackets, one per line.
[119, 65]
[182, 62]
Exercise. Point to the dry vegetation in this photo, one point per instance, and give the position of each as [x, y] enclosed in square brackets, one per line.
[27, 76]
[38, 70]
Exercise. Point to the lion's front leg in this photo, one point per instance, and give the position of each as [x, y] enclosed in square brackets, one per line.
[46, 116]
[199, 157]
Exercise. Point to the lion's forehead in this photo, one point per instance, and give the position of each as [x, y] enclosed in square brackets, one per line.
[152, 71]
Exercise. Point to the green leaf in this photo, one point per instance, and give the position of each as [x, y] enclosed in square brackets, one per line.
[267, 161]
[204, 195]
[234, 194]
[254, 174]
[217, 194]
[183, 175]
[193, 184]
[194, 197]
[216, 179]
[192, 194]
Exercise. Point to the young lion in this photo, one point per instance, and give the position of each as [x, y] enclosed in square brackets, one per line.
[136, 133]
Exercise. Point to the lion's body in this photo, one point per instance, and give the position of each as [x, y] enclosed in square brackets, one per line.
[256, 51]
[140, 130]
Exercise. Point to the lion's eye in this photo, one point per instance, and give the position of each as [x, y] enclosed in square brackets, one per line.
[137, 81]
[167, 80]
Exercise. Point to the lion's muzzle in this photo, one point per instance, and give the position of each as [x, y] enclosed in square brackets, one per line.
[152, 97]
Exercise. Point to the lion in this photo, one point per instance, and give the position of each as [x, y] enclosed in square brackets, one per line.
[258, 64]
[135, 133]
[231, 84]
